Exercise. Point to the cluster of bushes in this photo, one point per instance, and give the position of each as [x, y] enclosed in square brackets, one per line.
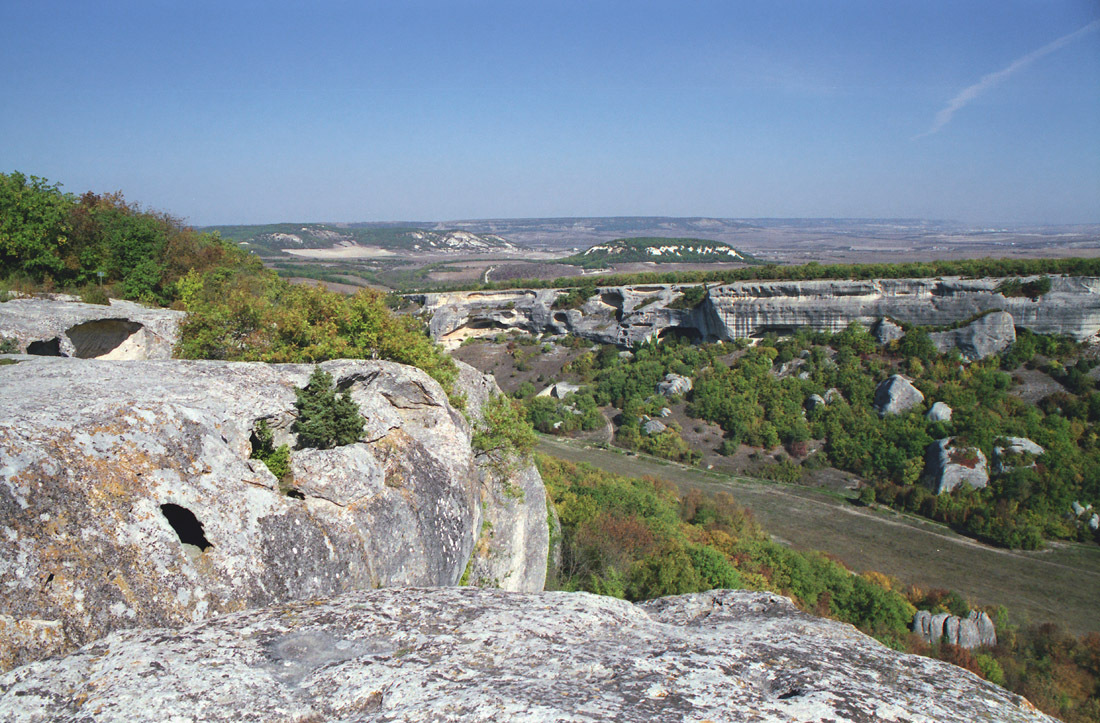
[100, 244]
[577, 412]
[256, 316]
[635, 539]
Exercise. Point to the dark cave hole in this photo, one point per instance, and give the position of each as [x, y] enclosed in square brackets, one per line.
[186, 525]
[51, 347]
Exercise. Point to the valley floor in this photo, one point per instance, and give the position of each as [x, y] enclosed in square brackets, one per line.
[1060, 583]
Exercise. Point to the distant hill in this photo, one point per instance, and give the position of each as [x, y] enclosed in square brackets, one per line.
[271, 239]
[658, 250]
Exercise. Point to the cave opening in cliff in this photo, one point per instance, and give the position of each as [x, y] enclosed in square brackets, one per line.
[686, 333]
[49, 347]
[186, 525]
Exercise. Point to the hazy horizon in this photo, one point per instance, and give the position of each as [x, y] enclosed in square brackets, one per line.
[983, 113]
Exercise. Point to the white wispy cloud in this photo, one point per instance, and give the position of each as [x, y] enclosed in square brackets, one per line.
[988, 81]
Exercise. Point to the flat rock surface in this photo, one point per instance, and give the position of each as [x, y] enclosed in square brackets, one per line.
[463, 654]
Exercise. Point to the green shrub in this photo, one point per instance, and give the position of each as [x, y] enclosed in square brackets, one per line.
[95, 295]
[9, 345]
[504, 436]
[277, 459]
[326, 420]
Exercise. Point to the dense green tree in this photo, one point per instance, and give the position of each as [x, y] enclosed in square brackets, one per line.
[325, 419]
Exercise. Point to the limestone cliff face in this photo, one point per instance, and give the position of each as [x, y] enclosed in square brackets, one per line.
[462, 654]
[629, 315]
[63, 326]
[128, 499]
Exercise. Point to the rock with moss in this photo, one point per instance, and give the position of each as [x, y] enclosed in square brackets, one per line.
[948, 466]
[129, 496]
[461, 654]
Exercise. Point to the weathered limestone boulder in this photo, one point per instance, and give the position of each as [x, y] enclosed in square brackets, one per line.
[991, 334]
[814, 401]
[128, 499]
[886, 331]
[1006, 457]
[674, 385]
[946, 466]
[63, 326]
[653, 426]
[896, 395]
[974, 631]
[938, 412]
[510, 552]
[461, 654]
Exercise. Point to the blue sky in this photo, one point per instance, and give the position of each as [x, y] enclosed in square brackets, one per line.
[242, 112]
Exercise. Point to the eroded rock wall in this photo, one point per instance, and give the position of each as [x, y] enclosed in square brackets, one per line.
[629, 315]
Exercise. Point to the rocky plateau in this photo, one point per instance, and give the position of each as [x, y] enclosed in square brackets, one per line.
[464, 654]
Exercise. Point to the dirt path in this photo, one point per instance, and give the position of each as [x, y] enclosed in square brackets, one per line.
[1061, 583]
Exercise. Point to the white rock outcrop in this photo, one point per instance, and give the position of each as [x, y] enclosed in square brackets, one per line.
[629, 315]
[128, 498]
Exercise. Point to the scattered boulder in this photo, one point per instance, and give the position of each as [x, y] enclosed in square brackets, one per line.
[653, 426]
[1094, 522]
[939, 412]
[896, 395]
[974, 631]
[459, 654]
[832, 394]
[814, 401]
[560, 390]
[886, 331]
[665, 412]
[674, 385]
[1004, 457]
[1078, 508]
[991, 334]
[946, 466]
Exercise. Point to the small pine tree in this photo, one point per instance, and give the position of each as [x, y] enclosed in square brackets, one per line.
[326, 420]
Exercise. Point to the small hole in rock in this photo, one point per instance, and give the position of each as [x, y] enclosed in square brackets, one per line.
[51, 347]
[792, 693]
[186, 525]
[295, 493]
